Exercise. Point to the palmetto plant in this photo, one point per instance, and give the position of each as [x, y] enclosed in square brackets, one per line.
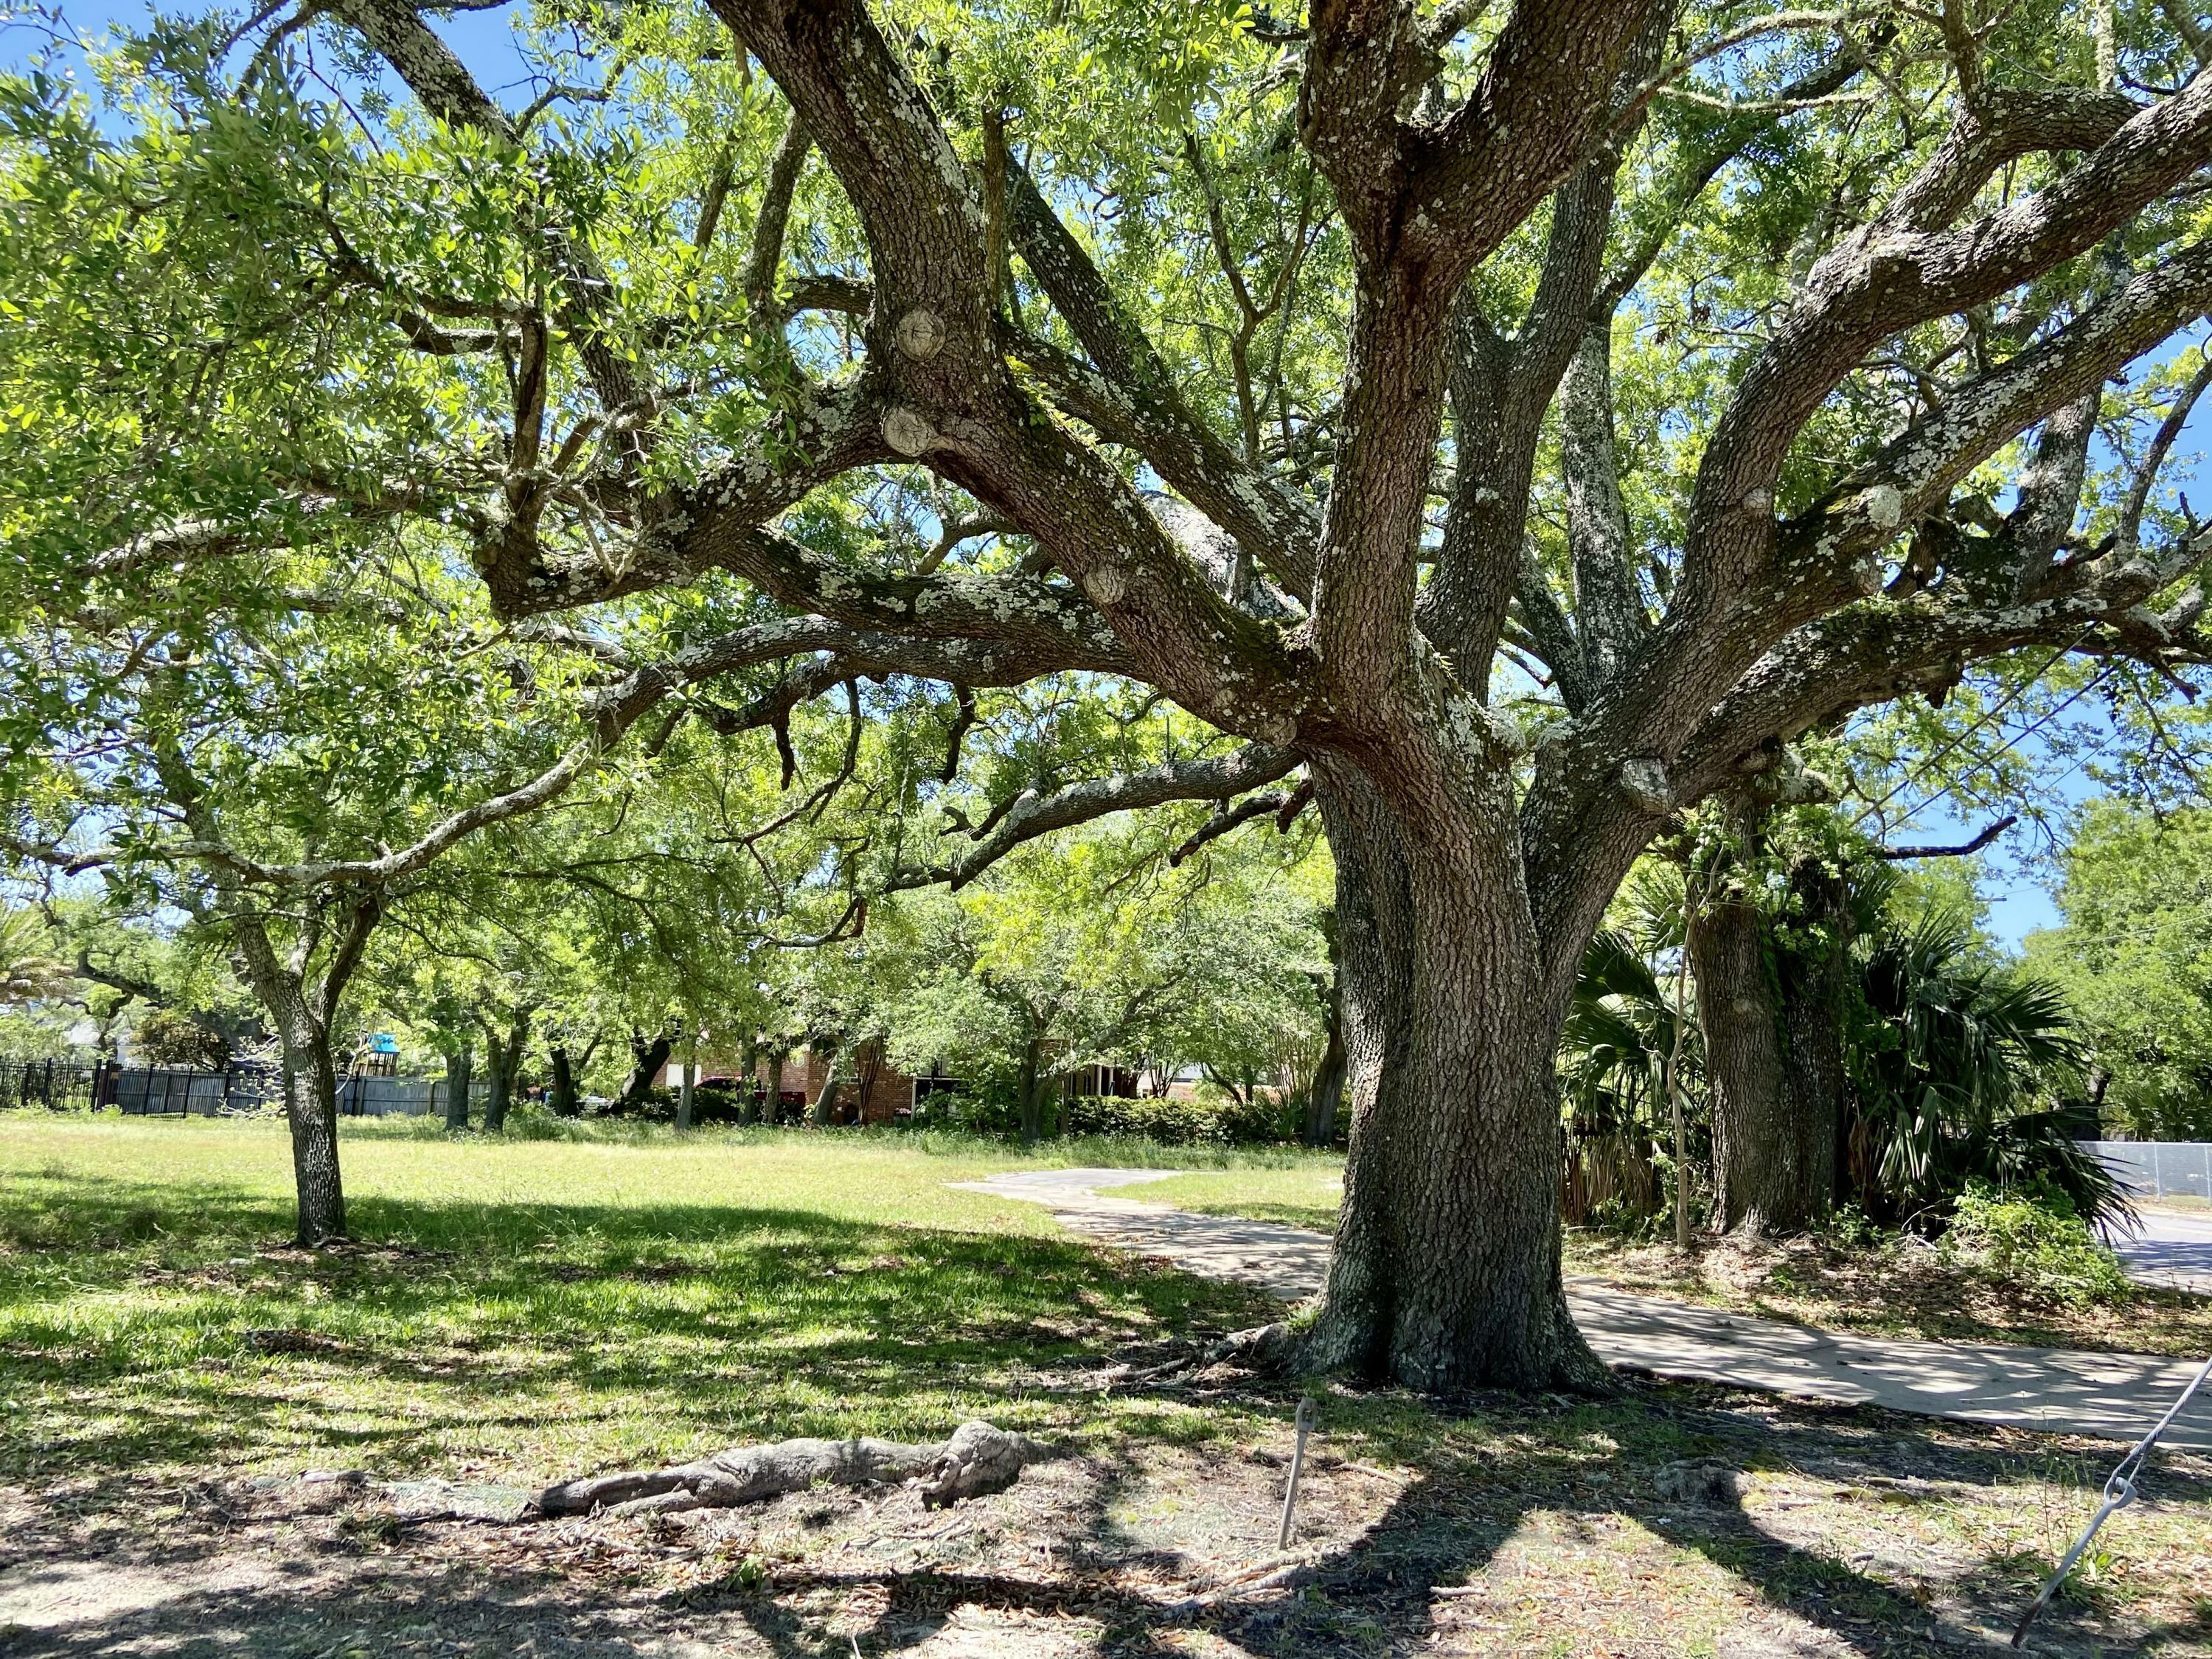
[1954, 1059]
[27, 973]
[1622, 1033]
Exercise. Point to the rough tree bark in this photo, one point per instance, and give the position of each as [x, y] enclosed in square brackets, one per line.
[1446, 1269]
[1814, 975]
[1759, 1174]
[460, 1077]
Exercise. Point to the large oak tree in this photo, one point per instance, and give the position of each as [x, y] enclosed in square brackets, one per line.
[1518, 422]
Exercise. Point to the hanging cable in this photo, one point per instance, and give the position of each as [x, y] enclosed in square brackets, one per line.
[1929, 765]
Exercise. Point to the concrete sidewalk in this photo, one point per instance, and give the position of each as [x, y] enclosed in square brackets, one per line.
[2051, 1389]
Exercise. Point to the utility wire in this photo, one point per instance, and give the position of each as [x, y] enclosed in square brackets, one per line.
[1998, 709]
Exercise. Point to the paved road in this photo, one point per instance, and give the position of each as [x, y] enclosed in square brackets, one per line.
[2116, 1396]
[2174, 1249]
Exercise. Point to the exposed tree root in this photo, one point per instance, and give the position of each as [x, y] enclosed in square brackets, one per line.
[978, 1459]
[1265, 1349]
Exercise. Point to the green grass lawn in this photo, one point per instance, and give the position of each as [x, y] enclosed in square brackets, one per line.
[545, 1305]
[1300, 1195]
[521, 1309]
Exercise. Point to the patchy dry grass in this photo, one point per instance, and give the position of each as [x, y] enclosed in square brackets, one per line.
[1905, 1289]
[517, 1311]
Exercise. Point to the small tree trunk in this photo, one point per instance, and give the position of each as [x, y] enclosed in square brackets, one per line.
[564, 1101]
[1445, 1274]
[311, 1107]
[1327, 1088]
[827, 1097]
[460, 1069]
[1759, 1174]
[683, 1092]
[871, 1062]
[774, 1101]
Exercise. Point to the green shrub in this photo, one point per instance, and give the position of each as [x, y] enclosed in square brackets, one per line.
[2034, 1237]
[1219, 1121]
[655, 1105]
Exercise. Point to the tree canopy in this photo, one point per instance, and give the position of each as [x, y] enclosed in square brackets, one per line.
[1500, 429]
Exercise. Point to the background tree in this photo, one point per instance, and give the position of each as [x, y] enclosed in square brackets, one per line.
[2133, 961]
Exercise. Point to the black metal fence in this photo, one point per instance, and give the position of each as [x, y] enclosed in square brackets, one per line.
[138, 1090]
[58, 1085]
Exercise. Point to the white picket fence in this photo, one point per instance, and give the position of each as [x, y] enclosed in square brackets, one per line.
[2159, 1169]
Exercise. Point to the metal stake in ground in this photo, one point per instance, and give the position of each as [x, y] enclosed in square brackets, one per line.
[1298, 1464]
[2119, 1492]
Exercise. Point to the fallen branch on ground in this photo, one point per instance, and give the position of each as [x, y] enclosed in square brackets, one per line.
[978, 1459]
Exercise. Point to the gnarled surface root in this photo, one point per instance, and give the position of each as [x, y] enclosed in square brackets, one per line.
[979, 1458]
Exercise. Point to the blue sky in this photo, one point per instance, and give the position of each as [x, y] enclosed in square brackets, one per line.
[2017, 872]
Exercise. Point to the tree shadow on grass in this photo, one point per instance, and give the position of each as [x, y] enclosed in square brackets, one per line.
[191, 1338]
[1367, 1595]
[176, 1342]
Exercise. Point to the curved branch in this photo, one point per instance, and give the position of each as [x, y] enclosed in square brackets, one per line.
[1284, 805]
[1959, 850]
[1033, 814]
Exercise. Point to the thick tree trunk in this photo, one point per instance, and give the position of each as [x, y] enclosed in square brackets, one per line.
[827, 1097]
[1759, 1177]
[460, 1073]
[647, 1056]
[563, 1097]
[1445, 1274]
[1815, 985]
[311, 1107]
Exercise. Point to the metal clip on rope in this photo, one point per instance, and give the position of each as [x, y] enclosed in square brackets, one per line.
[2119, 1492]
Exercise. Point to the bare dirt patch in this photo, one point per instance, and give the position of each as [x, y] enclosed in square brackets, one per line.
[1508, 1527]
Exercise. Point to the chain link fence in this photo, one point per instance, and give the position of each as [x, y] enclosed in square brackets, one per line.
[2159, 1169]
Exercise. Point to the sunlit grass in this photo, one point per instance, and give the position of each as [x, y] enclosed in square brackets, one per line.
[1301, 1196]
[535, 1305]
[521, 1309]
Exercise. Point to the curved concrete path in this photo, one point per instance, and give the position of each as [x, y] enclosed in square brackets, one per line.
[2051, 1389]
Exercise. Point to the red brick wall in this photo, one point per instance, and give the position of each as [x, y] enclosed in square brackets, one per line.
[890, 1090]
